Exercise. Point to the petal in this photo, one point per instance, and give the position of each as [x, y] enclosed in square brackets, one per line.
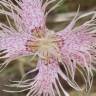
[14, 44]
[42, 83]
[12, 47]
[32, 13]
[79, 44]
[27, 14]
[80, 38]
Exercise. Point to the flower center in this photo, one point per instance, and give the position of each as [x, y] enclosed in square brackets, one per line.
[46, 47]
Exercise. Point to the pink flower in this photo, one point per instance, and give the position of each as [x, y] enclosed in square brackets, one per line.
[71, 48]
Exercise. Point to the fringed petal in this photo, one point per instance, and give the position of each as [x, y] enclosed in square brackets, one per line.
[31, 13]
[14, 46]
[43, 82]
[78, 45]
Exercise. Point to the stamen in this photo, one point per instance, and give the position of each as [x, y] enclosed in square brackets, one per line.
[38, 32]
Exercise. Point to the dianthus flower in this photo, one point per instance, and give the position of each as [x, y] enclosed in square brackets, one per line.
[60, 54]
